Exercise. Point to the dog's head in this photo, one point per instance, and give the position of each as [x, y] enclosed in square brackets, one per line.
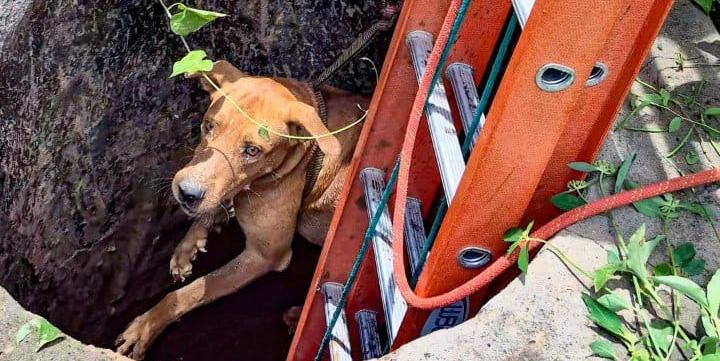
[233, 152]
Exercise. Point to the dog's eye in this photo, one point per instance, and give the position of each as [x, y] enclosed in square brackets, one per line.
[251, 150]
[207, 127]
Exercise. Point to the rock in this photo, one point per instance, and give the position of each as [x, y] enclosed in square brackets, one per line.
[13, 317]
[92, 129]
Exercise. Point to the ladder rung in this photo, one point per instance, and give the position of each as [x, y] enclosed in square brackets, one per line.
[442, 130]
[369, 335]
[394, 305]
[522, 10]
[340, 342]
[461, 77]
[414, 232]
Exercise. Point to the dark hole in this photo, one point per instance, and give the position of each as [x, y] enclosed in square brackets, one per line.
[596, 73]
[474, 257]
[553, 76]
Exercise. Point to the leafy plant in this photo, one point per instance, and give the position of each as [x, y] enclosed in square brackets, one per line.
[46, 332]
[685, 110]
[519, 237]
[656, 332]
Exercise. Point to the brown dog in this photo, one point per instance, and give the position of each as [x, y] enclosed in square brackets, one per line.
[263, 178]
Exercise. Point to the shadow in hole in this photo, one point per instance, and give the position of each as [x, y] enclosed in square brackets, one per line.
[247, 324]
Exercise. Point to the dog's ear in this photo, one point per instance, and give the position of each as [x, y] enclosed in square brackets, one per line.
[222, 74]
[305, 116]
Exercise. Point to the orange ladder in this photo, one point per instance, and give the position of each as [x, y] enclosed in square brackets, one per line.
[529, 135]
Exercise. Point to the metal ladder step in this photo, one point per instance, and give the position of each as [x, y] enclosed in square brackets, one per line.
[340, 342]
[414, 232]
[437, 111]
[369, 335]
[394, 305]
[461, 78]
[522, 10]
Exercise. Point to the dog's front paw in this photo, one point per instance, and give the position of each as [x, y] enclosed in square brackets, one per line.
[185, 254]
[137, 338]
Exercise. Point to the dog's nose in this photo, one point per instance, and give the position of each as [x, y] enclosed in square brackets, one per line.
[190, 193]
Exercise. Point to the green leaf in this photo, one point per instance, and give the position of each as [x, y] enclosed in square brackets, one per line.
[653, 98]
[512, 235]
[683, 254]
[648, 207]
[708, 345]
[715, 357]
[606, 319]
[638, 252]
[523, 259]
[692, 157]
[613, 256]
[583, 167]
[663, 269]
[713, 111]
[603, 348]
[664, 96]
[613, 302]
[528, 229]
[685, 286]
[193, 62]
[512, 248]
[640, 355]
[263, 133]
[23, 331]
[47, 333]
[661, 333]
[697, 209]
[566, 201]
[694, 267]
[713, 293]
[674, 124]
[623, 171]
[604, 274]
[189, 20]
[707, 324]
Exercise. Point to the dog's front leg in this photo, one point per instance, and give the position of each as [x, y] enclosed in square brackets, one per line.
[269, 228]
[252, 263]
[186, 251]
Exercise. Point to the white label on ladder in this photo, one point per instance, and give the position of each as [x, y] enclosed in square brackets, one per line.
[414, 232]
[369, 336]
[522, 10]
[437, 111]
[340, 342]
[461, 77]
[447, 317]
[393, 303]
